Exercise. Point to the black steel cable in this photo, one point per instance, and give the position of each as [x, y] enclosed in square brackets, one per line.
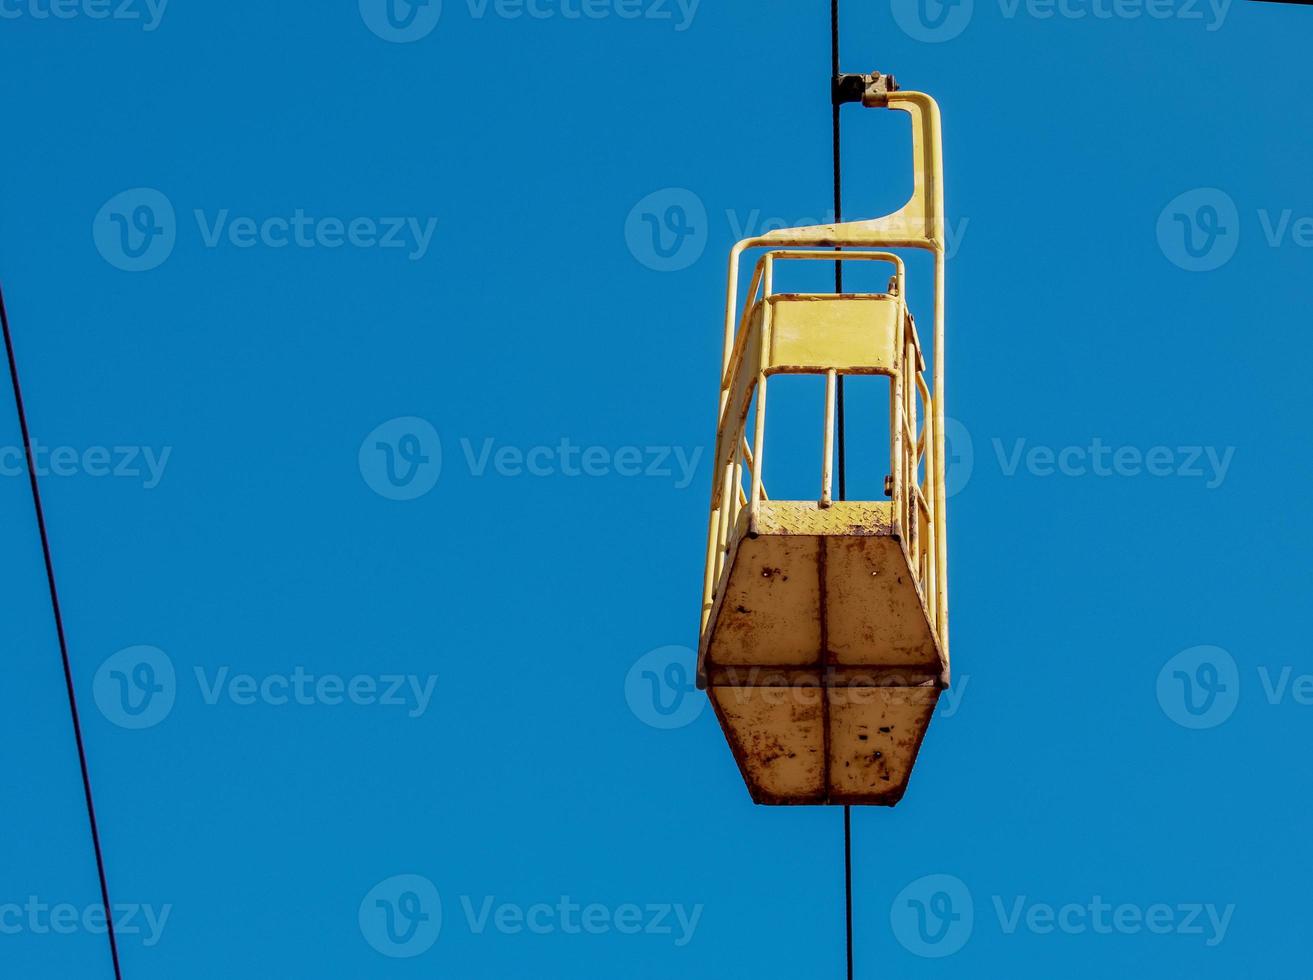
[843, 482]
[848, 880]
[63, 643]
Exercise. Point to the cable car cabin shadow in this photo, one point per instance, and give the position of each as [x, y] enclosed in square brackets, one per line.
[824, 641]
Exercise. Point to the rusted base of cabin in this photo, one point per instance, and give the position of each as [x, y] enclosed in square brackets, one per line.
[820, 658]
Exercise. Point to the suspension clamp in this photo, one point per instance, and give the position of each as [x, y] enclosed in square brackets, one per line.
[870, 90]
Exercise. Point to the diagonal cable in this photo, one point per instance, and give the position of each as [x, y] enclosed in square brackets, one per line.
[63, 643]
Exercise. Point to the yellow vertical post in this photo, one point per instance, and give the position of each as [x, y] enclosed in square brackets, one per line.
[941, 495]
[827, 451]
[759, 431]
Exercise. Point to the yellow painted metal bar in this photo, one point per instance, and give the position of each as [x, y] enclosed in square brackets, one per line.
[827, 441]
[917, 224]
[759, 434]
[941, 495]
[747, 455]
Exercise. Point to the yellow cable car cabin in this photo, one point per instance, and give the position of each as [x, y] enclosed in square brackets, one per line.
[824, 638]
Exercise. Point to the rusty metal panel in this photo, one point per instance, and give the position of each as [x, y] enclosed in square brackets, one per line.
[769, 605]
[820, 584]
[802, 743]
[820, 655]
[875, 735]
[778, 738]
[854, 334]
[874, 610]
[772, 597]
[829, 675]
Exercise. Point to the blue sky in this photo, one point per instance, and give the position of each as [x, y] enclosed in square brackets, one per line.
[375, 421]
